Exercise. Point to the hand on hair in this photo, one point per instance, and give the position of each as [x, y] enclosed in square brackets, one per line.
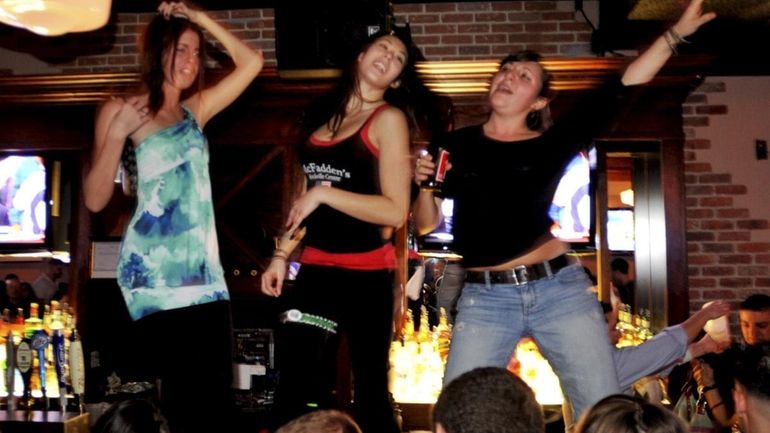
[177, 9]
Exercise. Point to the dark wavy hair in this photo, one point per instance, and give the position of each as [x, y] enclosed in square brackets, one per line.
[426, 113]
[161, 37]
[629, 414]
[539, 120]
[131, 416]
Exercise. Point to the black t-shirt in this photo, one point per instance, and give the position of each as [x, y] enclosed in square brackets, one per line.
[502, 191]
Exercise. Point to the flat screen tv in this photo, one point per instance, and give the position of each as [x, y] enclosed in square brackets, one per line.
[571, 210]
[620, 229]
[24, 202]
[572, 205]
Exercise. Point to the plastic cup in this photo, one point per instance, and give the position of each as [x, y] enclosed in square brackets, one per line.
[718, 329]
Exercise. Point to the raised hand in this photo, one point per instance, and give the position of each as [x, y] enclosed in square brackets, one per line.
[692, 18]
[177, 9]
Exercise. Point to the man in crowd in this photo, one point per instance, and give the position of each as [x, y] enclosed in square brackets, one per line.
[487, 399]
[715, 375]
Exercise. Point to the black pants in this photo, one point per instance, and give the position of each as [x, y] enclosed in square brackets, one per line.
[361, 302]
[190, 350]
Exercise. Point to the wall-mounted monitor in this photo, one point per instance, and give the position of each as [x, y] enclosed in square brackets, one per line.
[620, 229]
[572, 206]
[24, 202]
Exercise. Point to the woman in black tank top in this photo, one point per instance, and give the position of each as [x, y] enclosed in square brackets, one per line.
[356, 160]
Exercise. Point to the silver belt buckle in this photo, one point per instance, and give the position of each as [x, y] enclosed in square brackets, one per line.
[521, 274]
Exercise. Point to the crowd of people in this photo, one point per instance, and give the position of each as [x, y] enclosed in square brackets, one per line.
[358, 171]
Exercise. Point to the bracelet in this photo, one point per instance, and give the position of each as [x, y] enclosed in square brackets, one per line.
[278, 256]
[671, 41]
[721, 403]
[677, 37]
[708, 388]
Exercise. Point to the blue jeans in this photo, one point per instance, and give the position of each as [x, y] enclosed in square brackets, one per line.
[560, 313]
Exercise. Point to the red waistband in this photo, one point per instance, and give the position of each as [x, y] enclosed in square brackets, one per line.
[381, 258]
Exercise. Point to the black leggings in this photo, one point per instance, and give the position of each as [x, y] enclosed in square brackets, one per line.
[361, 302]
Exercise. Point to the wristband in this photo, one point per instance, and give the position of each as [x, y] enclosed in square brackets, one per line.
[296, 316]
[708, 388]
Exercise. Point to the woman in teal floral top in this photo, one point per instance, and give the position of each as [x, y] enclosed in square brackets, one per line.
[168, 269]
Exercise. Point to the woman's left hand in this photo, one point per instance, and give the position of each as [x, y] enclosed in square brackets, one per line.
[304, 206]
[177, 9]
[692, 18]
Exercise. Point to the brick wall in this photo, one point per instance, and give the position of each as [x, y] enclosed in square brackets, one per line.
[444, 31]
[728, 255]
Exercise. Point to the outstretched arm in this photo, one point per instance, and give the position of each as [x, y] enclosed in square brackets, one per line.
[248, 63]
[644, 68]
[693, 325]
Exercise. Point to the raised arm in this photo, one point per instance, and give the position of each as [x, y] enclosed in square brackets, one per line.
[248, 63]
[117, 119]
[390, 133]
[644, 68]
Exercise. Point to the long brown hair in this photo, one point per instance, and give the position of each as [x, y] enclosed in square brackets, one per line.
[161, 38]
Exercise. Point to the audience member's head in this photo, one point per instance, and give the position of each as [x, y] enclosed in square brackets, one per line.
[321, 421]
[619, 271]
[17, 293]
[487, 399]
[752, 388]
[754, 314]
[131, 416]
[626, 414]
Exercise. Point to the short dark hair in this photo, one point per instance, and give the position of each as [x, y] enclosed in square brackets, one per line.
[11, 277]
[321, 421]
[619, 264]
[752, 369]
[757, 302]
[488, 399]
[629, 414]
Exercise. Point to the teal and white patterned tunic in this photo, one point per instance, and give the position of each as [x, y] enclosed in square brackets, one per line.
[169, 257]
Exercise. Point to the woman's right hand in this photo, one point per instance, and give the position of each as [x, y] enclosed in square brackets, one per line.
[272, 278]
[424, 167]
[132, 115]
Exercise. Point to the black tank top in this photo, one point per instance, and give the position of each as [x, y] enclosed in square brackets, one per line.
[350, 164]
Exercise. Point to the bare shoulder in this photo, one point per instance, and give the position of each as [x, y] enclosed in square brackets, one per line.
[110, 107]
[389, 118]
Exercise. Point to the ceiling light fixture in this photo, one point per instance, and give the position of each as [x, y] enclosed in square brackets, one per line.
[55, 17]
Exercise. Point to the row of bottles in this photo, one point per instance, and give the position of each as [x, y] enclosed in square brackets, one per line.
[417, 359]
[634, 329]
[42, 360]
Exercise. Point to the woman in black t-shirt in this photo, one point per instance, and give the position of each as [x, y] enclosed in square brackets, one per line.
[503, 177]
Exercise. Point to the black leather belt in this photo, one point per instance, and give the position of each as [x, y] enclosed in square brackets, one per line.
[520, 274]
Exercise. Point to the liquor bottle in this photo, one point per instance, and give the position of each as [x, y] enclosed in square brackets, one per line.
[441, 159]
[444, 334]
[33, 322]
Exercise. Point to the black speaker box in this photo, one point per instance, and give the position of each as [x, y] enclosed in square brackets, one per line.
[316, 39]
